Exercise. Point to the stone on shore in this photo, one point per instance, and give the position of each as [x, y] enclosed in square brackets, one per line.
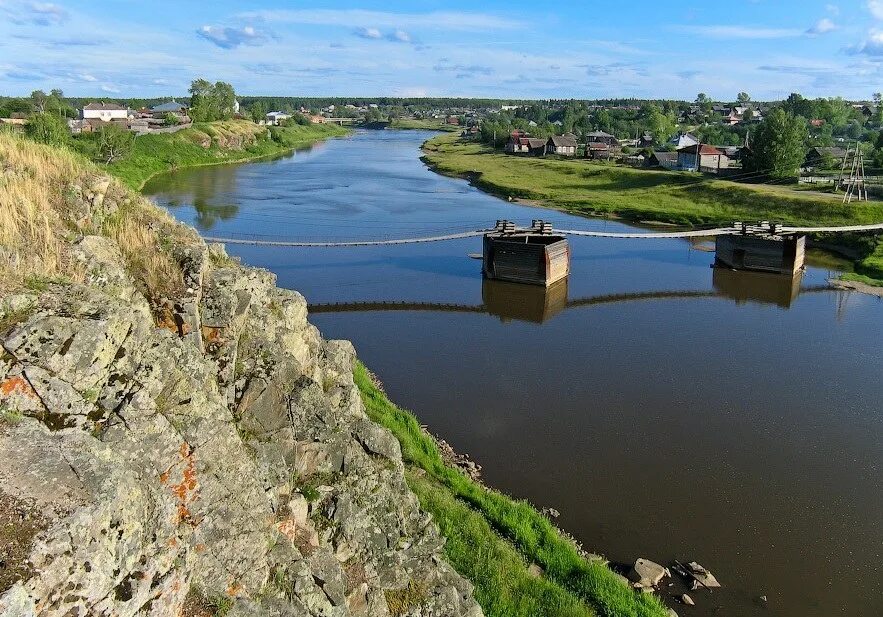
[646, 573]
[704, 578]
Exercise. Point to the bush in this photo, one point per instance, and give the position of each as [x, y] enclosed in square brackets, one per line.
[113, 143]
[47, 128]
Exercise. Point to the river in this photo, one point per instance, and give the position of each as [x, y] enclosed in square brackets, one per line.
[668, 410]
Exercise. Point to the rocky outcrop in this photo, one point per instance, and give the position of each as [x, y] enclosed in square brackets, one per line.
[208, 455]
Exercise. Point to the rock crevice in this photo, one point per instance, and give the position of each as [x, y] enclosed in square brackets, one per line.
[216, 456]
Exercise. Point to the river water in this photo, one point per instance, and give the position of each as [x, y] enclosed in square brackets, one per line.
[668, 410]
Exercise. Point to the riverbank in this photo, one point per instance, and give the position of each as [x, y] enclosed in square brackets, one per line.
[214, 143]
[596, 189]
[518, 561]
[409, 124]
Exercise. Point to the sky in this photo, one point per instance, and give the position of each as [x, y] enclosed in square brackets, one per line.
[510, 49]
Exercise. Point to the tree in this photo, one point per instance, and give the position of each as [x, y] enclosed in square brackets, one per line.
[257, 112]
[210, 102]
[48, 129]
[661, 125]
[778, 145]
[743, 98]
[170, 119]
[113, 143]
[38, 100]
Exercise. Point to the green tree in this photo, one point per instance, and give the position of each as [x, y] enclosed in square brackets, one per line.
[743, 98]
[47, 128]
[257, 111]
[113, 143]
[778, 146]
[38, 100]
[210, 102]
[660, 124]
[171, 119]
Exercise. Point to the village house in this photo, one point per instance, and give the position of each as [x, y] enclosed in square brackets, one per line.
[521, 144]
[562, 145]
[106, 112]
[602, 138]
[172, 107]
[819, 157]
[702, 157]
[665, 160]
[275, 117]
[683, 140]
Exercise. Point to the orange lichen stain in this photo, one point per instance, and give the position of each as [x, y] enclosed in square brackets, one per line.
[287, 528]
[185, 490]
[17, 385]
[172, 543]
[212, 334]
[199, 548]
[234, 589]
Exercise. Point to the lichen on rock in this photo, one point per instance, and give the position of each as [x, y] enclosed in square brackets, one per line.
[208, 445]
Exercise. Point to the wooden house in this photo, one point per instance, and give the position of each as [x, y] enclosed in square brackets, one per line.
[665, 160]
[561, 145]
[702, 157]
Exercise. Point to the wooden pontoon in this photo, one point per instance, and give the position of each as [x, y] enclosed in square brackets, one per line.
[533, 256]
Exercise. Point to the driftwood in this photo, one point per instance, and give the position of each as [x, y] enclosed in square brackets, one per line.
[685, 571]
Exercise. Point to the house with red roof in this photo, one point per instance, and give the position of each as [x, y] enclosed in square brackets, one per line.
[702, 157]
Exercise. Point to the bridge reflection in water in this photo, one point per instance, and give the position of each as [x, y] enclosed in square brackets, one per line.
[538, 304]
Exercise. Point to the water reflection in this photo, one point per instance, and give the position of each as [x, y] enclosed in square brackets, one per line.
[533, 303]
[760, 287]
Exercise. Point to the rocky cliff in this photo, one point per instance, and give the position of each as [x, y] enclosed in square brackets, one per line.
[204, 452]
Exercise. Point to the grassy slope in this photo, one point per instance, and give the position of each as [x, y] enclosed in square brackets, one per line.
[675, 197]
[491, 536]
[155, 154]
[431, 125]
[43, 196]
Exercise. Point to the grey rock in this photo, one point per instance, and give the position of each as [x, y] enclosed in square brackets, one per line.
[646, 573]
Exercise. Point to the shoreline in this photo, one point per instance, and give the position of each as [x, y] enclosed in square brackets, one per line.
[474, 178]
[251, 159]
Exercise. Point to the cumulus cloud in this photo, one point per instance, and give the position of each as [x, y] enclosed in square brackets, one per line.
[439, 20]
[35, 13]
[823, 26]
[374, 34]
[872, 46]
[833, 9]
[110, 89]
[227, 37]
[876, 8]
[368, 33]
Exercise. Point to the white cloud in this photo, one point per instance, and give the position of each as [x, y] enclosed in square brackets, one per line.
[226, 37]
[833, 9]
[400, 36]
[87, 77]
[355, 18]
[35, 13]
[873, 45]
[110, 89]
[368, 33]
[740, 32]
[876, 8]
[823, 26]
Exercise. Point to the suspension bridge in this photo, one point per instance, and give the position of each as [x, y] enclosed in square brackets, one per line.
[540, 255]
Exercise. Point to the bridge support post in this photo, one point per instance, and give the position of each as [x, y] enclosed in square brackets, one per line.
[761, 253]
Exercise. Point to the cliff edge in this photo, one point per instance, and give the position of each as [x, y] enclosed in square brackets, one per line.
[175, 437]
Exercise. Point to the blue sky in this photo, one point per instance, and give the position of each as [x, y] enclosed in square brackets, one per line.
[501, 49]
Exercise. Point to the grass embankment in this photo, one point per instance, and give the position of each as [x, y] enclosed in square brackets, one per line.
[49, 196]
[426, 125]
[492, 538]
[213, 144]
[683, 198]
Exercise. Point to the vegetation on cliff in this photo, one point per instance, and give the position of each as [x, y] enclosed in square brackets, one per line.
[492, 538]
[49, 196]
[214, 143]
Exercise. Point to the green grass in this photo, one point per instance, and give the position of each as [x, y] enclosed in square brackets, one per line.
[229, 141]
[870, 269]
[481, 522]
[431, 125]
[585, 187]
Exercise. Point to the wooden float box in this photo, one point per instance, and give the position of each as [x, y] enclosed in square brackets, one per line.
[761, 253]
[526, 256]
